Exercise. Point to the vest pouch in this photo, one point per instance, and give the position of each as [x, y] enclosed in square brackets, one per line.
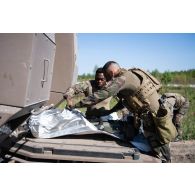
[164, 126]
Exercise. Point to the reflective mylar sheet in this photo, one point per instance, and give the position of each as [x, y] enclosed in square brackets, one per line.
[55, 123]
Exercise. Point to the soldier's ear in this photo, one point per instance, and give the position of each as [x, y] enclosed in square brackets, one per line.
[113, 73]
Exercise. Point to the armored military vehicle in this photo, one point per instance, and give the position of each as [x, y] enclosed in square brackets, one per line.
[35, 70]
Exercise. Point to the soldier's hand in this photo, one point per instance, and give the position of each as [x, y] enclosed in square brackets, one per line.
[65, 96]
[69, 104]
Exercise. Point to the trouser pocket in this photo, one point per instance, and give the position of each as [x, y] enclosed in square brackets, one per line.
[164, 126]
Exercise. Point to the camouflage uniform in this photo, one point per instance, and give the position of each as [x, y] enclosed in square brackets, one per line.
[87, 88]
[139, 92]
[178, 105]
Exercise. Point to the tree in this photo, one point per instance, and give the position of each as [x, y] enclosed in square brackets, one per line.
[95, 68]
[166, 77]
[156, 74]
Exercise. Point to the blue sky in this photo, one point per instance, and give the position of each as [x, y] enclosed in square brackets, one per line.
[150, 51]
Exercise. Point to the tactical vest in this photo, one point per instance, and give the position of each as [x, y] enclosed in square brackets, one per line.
[145, 97]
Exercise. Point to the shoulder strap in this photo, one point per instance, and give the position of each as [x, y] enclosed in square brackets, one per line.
[140, 72]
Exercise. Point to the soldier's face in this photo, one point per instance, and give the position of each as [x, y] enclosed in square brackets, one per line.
[100, 80]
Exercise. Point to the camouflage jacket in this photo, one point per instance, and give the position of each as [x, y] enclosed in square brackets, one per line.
[88, 88]
[83, 88]
[126, 85]
[176, 103]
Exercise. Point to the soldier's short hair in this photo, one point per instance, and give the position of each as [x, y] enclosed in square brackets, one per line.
[99, 70]
[108, 64]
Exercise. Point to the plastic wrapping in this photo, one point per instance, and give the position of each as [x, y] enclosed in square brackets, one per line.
[54, 123]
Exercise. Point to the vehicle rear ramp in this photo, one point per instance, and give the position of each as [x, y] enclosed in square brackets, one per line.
[75, 148]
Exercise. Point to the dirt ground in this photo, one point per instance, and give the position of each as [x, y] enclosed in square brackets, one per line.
[183, 151]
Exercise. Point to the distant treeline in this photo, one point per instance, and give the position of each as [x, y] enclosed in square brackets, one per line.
[176, 77]
[85, 77]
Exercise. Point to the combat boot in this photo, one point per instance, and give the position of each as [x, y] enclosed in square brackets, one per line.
[163, 152]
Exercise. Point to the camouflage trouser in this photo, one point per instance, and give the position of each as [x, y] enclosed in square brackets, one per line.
[160, 131]
[178, 117]
[178, 106]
